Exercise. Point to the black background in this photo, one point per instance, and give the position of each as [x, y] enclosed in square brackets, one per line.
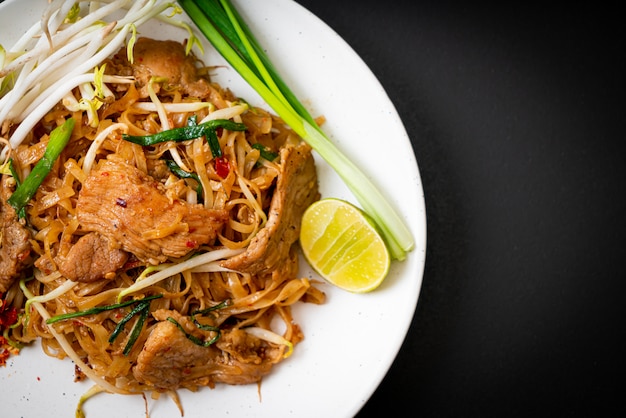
[516, 116]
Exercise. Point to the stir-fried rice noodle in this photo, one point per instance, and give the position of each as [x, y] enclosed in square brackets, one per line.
[113, 222]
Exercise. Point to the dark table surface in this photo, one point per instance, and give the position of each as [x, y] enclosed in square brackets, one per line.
[516, 116]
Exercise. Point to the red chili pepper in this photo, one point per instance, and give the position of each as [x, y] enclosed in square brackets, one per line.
[8, 315]
[222, 167]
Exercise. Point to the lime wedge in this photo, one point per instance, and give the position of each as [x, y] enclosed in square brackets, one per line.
[342, 244]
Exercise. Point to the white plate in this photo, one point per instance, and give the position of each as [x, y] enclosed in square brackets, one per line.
[351, 341]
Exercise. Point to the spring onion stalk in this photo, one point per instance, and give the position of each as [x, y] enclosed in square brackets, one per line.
[59, 137]
[225, 29]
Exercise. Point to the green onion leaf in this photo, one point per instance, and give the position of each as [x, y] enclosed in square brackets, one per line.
[188, 132]
[21, 214]
[59, 138]
[143, 305]
[203, 327]
[98, 309]
[179, 172]
[219, 21]
[220, 305]
[265, 152]
[193, 338]
[134, 333]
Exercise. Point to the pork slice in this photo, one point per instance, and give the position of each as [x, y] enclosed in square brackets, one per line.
[92, 258]
[296, 189]
[167, 59]
[15, 245]
[170, 360]
[122, 203]
[168, 355]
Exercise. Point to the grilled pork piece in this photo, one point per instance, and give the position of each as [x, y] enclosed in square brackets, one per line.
[296, 189]
[131, 209]
[170, 360]
[14, 239]
[92, 258]
[165, 59]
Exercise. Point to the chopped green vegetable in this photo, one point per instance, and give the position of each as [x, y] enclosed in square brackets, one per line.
[59, 138]
[225, 29]
[141, 306]
[134, 333]
[21, 214]
[98, 309]
[193, 338]
[220, 305]
[191, 131]
[265, 152]
[179, 172]
[203, 327]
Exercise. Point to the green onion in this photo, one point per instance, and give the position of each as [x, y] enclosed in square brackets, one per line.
[59, 138]
[21, 214]
[141, 306]
[191, 131]
[98, 309]
[179, 172]
[225, 29]
[220, 305]
[265, 152]
[203, 327]
[134, 333]
[193, 338]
